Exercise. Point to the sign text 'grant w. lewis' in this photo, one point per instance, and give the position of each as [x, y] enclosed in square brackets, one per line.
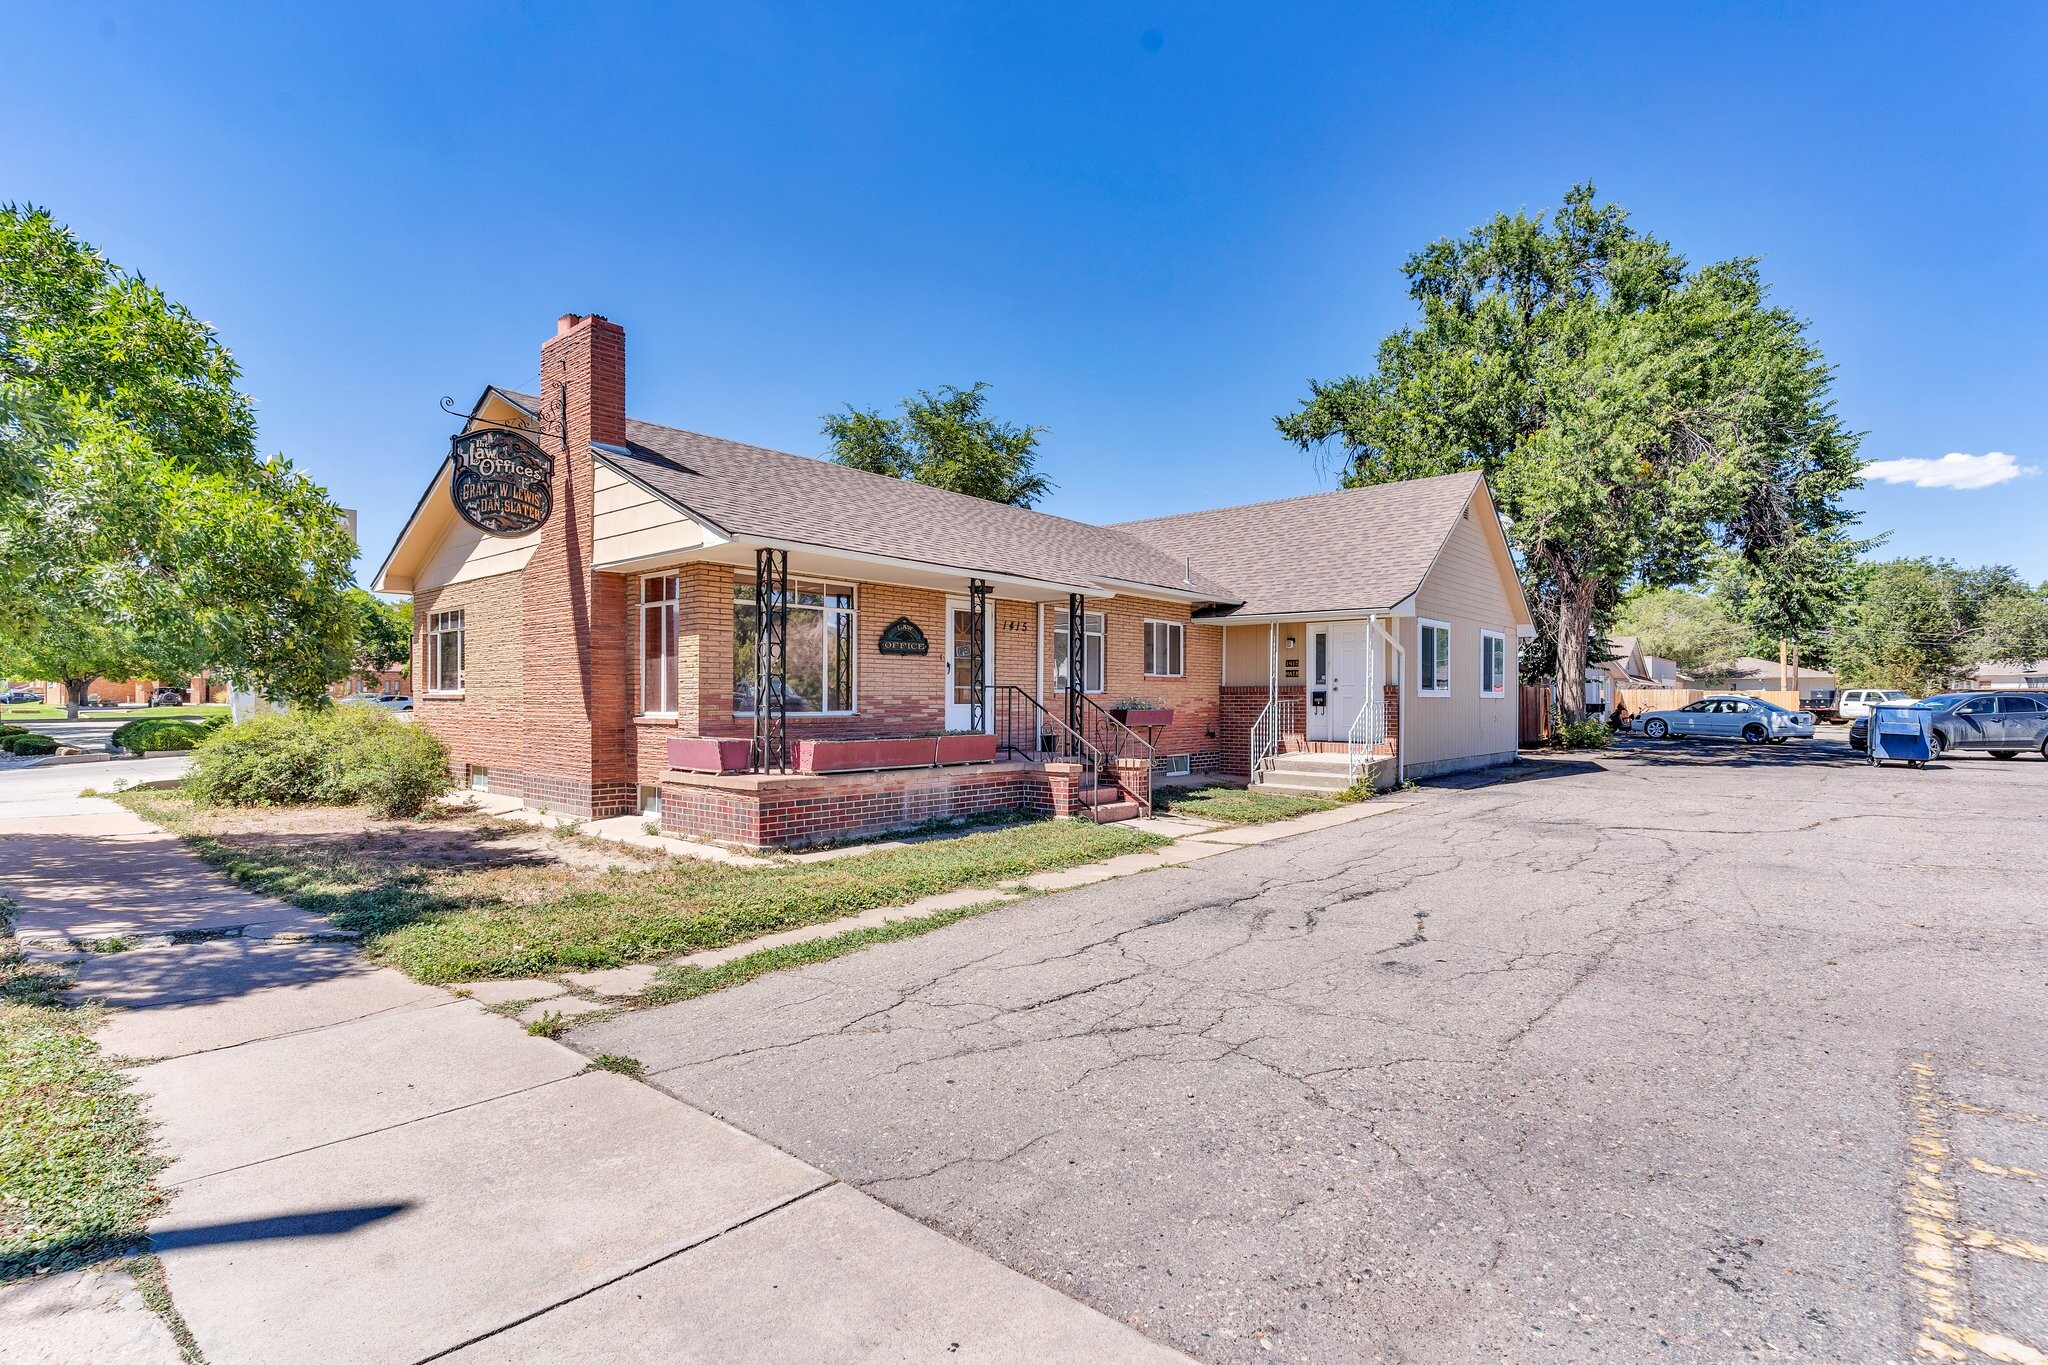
[501, 483]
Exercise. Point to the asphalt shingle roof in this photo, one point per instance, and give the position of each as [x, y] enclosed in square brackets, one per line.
[752, 491]
[1354, 548]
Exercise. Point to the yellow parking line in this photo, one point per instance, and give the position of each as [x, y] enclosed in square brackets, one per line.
[1988, 1240]
[2008, 1172]
[1990, 1344]
[2004, 1115]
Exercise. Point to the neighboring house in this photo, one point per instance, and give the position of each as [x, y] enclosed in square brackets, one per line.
[596, 663]
[2008, 675]
[1814, 685]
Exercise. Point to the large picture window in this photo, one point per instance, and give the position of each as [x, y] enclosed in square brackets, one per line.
[1163, 646]
[444, 652]
[822, 637]
[660, 601]
[1433, 659]
[1091, 642]
[1493, 664]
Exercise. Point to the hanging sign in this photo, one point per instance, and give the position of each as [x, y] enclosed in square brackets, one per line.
[501, 483]
[901, 636]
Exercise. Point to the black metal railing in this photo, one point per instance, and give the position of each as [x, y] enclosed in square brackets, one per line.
[1024, 729]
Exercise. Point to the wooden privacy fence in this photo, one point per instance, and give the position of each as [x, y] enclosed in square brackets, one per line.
[1641, 699]
[1535, 703]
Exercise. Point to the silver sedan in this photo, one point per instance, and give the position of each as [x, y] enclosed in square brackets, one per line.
[1749, 719]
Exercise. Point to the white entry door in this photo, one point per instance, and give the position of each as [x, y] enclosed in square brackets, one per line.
[1341, 671]
[960, 665]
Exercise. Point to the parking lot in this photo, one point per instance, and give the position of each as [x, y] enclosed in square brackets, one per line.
[1690, 1051]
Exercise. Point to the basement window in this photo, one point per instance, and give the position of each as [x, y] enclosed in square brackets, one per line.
[1175, 765]
[478, 777]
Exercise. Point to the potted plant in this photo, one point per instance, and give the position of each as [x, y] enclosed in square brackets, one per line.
[966, 746]
[706, 754]
[1141, 712]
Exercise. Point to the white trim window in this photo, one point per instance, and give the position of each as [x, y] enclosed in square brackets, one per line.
[1433, 659]
[1164, 650]
[444, 651]
[1493, 664]
[660, 626]
[823, 630]
[1092, 638]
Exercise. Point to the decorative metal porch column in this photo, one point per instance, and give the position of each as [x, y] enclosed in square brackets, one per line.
[771, 660]
[1077, 669]
[977, 655]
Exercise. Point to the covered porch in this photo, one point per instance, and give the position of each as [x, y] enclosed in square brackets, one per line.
[1313, 703]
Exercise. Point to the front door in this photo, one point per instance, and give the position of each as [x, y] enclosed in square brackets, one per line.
[960, 665]
[1338, 670]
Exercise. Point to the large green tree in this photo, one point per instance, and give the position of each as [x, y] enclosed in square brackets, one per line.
[1637, 419]
[383, 633]
[948, 440]
[1695, 630]
[139, 527]
[1923, 624]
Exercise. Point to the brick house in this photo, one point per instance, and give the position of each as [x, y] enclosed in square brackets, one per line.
[911, 655]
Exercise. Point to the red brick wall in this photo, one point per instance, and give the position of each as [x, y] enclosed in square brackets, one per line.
[790, 813]
[1192, 696]
[893, 694]
[1240, 711]
[577, 718]
[485, 725]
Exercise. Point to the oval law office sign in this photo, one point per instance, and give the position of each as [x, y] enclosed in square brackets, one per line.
[502, 481]
[901, 636]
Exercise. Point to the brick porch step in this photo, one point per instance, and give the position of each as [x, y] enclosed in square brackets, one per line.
[1108, 812]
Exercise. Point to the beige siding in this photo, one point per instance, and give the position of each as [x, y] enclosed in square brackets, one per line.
[629, 523]
[1246, 650]
[1472, 587]
[466, 554]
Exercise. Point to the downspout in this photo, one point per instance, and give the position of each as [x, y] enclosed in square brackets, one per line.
[1038, 680]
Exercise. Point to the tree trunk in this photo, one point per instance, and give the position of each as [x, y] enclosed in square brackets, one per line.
[1574, 644]
[74, 696]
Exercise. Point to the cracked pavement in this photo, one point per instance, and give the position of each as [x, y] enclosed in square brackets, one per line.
[1606, 1061]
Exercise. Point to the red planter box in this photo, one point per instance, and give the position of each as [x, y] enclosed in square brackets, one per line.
[1157, 715]
[967, 748]
[860, 755]
[701, 755]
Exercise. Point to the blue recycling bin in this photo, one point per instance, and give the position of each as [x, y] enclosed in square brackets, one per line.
[1902, 734]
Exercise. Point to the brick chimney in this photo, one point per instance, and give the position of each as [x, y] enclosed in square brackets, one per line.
[575, 634]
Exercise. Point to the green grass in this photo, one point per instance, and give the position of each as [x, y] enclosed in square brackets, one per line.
[1233, 805]
[678, 982]
[75, 1168]
[39, 712]
[440, 925]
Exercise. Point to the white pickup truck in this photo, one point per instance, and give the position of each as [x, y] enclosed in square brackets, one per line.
[1857, 701]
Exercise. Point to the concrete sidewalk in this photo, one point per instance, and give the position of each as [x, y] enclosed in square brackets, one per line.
[367, 1169]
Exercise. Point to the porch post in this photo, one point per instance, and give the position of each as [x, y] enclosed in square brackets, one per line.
[771, 660]
[977, 655]
[1077, 664]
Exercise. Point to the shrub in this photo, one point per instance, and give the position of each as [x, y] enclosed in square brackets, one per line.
[161, 734]
[1588, 733]
[29, 746]
[344, 756]
[10, 731]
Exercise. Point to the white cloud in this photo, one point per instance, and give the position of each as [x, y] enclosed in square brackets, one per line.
[1952, 470]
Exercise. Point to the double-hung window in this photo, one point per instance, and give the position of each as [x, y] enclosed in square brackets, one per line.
[444, 652]
[1163, 643]
[1433, 659]
[1493, 664]
[1091, 644]
[819, 657]
[660, 605]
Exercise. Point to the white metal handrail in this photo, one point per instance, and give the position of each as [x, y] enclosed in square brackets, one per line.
[1265, 739]
[1368, 732]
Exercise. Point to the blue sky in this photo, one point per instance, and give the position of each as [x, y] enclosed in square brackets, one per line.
[1146, 225]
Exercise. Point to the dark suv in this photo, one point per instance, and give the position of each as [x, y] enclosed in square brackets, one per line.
[1998, 723]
